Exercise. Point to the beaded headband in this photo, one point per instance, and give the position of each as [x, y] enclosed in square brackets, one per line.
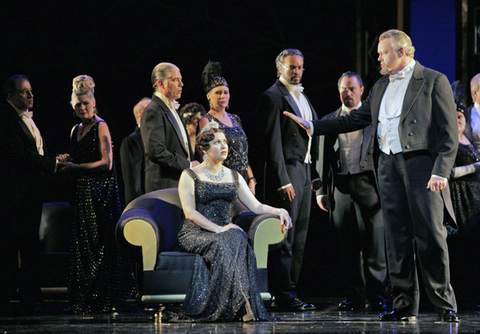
[210, 125]
[217, 81]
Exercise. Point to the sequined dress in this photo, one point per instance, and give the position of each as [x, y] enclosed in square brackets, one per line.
[101, 275]
[466, 190]
[225, 274]
[237, 144]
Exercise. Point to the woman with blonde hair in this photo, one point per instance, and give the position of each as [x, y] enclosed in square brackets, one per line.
[100, 275]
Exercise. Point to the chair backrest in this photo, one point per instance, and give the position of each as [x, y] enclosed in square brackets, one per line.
[162, 210]
[54, 230]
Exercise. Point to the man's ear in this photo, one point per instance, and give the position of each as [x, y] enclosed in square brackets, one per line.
[160, 84]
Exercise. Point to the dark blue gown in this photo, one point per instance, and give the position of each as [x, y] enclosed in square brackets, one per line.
[225, 274]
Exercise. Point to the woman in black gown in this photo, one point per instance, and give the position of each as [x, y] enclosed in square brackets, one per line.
[465, 192]
[465, 181]
[100, 273]
[218, 96]
[224, 285]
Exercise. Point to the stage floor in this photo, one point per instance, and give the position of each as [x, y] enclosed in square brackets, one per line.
[326, 319]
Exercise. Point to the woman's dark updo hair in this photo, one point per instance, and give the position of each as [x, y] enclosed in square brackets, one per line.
[188, 111]
[204, 138]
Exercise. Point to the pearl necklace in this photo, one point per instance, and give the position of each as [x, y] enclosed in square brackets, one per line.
[214, 177]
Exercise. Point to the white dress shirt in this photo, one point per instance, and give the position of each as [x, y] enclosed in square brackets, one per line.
[173, 106]
[390, 110]
[304, 107]
[350, 145]
[26, 117]
[475, 120]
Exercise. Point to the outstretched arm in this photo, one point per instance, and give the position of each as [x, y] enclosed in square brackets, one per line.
[300, 121]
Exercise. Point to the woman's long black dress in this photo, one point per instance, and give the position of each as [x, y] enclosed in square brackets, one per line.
[101, 274]
[225, 272]
[466, 189]
[464, 246]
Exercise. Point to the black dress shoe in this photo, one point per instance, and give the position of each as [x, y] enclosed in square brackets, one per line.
[448, 316]
[398, 315]
[377, 306]
[351, 306]
[295, 304]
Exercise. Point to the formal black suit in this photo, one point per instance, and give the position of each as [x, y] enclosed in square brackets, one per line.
[413, 216]
[284, 146]
[165, 153]
[22, 181]
[356, 214]
[132, 158]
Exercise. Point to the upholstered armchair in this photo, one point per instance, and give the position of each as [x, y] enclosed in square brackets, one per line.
[54, 236]
[150, 224]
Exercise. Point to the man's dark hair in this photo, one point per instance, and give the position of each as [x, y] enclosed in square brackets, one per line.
[10, 86]
[350, 74]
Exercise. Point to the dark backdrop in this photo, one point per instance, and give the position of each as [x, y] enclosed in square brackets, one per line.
[119, 42]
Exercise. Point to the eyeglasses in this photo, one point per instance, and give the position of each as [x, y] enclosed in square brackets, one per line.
[293, 68]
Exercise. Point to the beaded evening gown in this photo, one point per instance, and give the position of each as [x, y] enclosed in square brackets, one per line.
[225, 271]
[237, 144]
[466, 190]
[101, 275]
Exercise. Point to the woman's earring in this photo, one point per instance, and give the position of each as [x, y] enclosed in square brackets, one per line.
[205, 157]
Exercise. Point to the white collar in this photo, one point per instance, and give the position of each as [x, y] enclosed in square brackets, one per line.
[291, 88]
[171, 105]
[476, 106]
[404, 72]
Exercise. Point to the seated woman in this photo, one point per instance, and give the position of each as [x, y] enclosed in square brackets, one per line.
[224, 285]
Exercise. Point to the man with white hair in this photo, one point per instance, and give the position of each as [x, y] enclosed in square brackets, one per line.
[412, 111]
[472, 128]
[132, 157]
[167, 147]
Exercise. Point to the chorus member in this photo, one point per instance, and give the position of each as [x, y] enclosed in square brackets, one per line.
[191, 114]
[218, 96]
[101, 275]
[24, 164]
[289, 154]
[465, 181]
[349, 192]
[224, 284]
[465, 188]
[167, 147]
[411, 109]
[472, 114]
[132, 157]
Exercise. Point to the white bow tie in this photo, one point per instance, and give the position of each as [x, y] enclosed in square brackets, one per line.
[298, 87]
[398, 76]
[27, 114]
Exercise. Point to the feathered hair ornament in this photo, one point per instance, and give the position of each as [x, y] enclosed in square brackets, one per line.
[212, 76]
